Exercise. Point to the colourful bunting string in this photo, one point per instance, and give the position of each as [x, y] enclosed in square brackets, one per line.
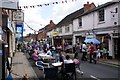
[41, 5]
[32, 28]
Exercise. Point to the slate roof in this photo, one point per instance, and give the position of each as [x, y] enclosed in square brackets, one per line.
[69, 17]
[80, 13]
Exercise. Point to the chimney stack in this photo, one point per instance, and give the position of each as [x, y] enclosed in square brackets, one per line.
[89, 6]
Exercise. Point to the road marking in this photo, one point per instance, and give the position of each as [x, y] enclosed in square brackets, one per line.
[81, 72]
[94, 77]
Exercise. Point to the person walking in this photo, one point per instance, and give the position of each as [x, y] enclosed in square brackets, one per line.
[84, 52]
[92, 53]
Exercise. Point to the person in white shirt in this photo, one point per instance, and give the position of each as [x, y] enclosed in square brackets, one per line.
[49, 52]
[84, 51]
[68, 60]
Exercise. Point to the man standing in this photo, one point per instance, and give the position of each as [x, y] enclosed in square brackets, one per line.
[92, 53]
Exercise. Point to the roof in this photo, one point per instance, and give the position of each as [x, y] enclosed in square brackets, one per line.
[97, 8]
[69, 17]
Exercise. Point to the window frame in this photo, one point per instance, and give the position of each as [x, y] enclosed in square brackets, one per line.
[80, 22]
[101, 15]
[60, 30]
[67, 29]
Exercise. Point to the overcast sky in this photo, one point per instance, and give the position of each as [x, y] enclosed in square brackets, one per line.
[38, 17]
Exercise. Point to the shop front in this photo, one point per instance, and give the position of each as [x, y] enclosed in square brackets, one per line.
[57, 40]
[104, 39]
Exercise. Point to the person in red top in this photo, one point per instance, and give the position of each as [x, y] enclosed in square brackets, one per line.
[92, 53]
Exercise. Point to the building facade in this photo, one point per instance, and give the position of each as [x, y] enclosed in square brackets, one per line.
[101, 23]
[7, 35]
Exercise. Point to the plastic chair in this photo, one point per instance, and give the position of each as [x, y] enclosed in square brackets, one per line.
[51, 73]
[70, 71]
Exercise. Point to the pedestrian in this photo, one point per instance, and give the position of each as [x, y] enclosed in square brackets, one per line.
[84, 52]
[92, 53]
[104, 53]
[68, 59]
[77, 47]
[18, 46]
[98, 52]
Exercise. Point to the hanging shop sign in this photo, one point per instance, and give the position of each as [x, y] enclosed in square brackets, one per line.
[19, 28]
[18, 16]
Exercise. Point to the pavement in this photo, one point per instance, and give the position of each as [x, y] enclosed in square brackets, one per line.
[21, 66]
[111, 62]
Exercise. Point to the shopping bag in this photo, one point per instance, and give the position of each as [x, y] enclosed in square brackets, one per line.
[9, 77]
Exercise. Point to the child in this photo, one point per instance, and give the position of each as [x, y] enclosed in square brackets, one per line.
[104, 53]
[98, 53]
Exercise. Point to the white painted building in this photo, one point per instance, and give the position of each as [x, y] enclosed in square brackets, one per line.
[102, 23]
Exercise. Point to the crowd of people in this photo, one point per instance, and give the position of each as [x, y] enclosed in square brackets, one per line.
[36, 48]
[94, 51]
[91, 51]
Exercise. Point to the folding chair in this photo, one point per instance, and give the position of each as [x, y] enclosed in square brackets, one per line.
[41, 64]
[70, 71]
[51, 73]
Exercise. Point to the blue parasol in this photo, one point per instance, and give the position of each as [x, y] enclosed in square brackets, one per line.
[94, 40]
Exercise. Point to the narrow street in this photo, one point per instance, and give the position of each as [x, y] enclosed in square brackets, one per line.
[100, 71]
[90, 71]
[39, 35]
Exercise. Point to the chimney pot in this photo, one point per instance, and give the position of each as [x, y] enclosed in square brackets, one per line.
[87, 2]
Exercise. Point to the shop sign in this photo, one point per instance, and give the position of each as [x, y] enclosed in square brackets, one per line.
[18, 16]
[55, 33]
[57, 37]
[19, 28]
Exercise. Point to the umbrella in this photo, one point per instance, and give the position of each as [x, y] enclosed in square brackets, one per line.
[94, 40]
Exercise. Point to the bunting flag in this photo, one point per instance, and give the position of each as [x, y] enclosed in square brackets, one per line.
[41, 5]
[30, 27]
